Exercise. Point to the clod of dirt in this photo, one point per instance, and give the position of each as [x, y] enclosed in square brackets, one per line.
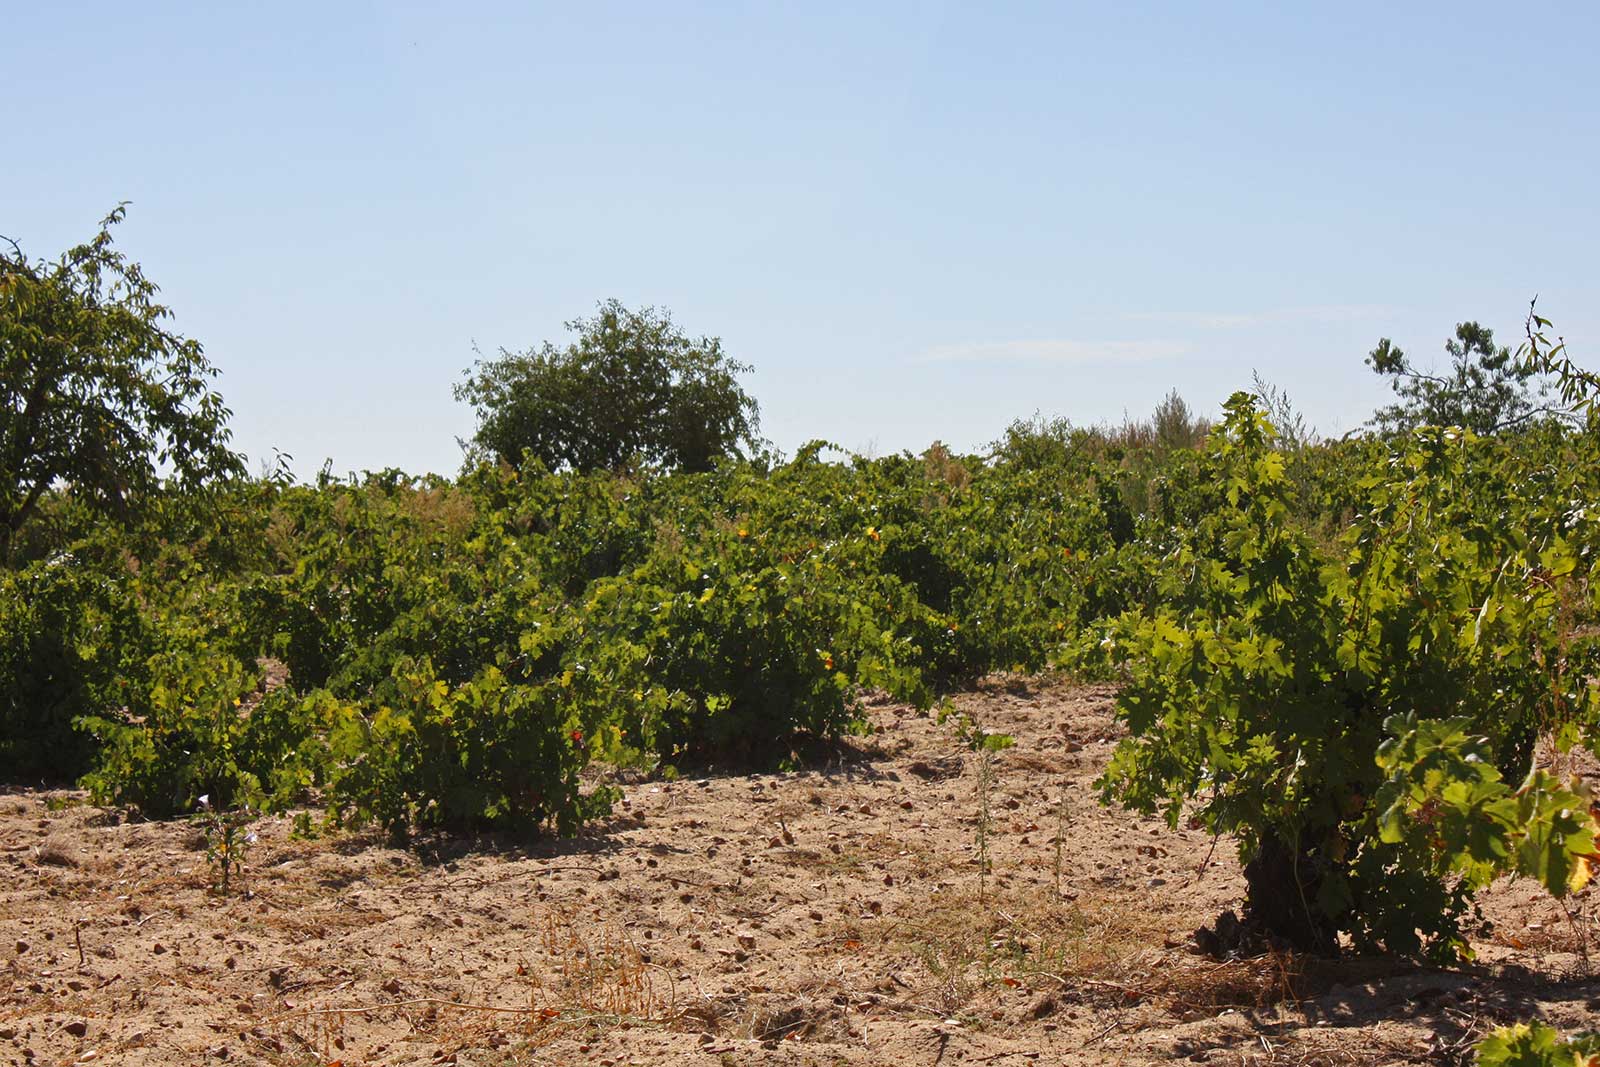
[56, 852]
[1230, 938]
[77, 1028]
[932, 770]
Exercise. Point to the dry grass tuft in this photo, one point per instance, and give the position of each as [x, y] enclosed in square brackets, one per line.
[1100, 952]
[592, 980]
[600, 977]
[1190, 986]
[1368, 1048]
[1022, 936]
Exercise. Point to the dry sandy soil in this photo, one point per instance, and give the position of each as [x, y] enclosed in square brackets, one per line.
[830, 916]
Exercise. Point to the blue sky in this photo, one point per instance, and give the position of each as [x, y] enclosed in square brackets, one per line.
[917, 221]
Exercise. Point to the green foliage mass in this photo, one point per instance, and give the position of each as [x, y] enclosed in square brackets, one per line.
[66, 629]
[1537, 1045]
[632, 388]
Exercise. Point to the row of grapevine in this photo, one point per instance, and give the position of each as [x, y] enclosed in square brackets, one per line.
[458, 652]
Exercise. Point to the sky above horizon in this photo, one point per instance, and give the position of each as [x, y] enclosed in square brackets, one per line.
[918, 222]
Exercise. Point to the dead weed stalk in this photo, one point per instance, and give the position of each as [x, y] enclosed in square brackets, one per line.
[601, 978]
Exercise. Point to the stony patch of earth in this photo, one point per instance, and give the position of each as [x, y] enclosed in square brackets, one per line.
[830, 916]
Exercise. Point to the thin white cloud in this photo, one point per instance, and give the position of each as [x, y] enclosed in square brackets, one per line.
[1225, 320]
[1054, 351]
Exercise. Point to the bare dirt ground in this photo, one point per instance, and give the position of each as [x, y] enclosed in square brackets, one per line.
[830, 916]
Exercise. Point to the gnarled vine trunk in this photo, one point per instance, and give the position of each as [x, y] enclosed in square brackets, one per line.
[1283, 884]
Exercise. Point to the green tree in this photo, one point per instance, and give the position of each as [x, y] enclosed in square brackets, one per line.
[95, 392]
[632, 387]
[1485, 389]
[1176, 425]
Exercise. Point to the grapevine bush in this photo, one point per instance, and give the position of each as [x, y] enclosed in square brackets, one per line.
[1537, 1045]
[1361, 715]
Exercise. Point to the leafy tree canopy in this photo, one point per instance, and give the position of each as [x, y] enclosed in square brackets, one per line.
[631, 388]
[95, 391]
[1485, 389]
